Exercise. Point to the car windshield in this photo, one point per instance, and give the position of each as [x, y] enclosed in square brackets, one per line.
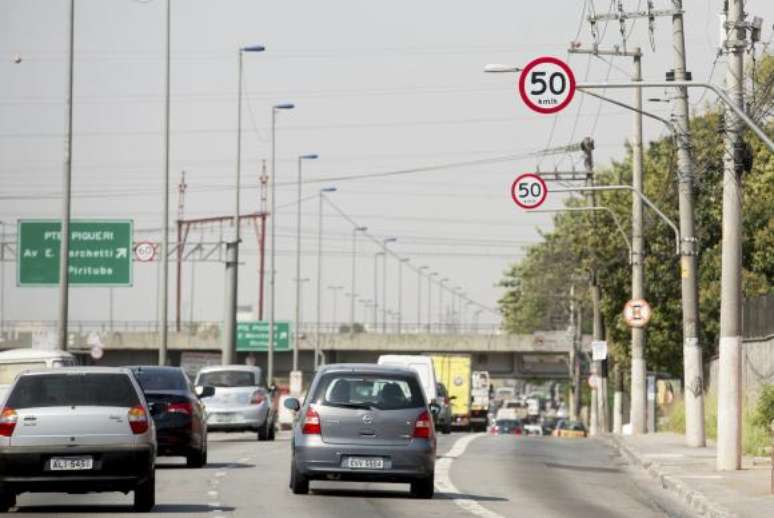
[508, 423]
[228, 379]
[154, 378]
[49, 390]
[369, 391]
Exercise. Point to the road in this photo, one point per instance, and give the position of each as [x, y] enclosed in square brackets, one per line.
[480, 476]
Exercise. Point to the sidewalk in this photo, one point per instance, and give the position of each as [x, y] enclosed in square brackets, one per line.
[690, 473]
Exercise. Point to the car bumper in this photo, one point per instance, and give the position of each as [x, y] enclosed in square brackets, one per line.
[172, 441]
[121, 468]
[316, 459]
[237, 418]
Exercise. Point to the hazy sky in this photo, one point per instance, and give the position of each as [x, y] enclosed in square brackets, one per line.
[378, 86]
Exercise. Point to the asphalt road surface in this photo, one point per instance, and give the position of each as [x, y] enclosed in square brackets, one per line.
[476, 475]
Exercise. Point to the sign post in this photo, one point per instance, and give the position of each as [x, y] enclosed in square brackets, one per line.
[547, 85]
[253, 336]
[100, 253]
[529, 191]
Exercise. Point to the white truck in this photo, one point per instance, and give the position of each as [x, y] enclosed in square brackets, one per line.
[480, 400]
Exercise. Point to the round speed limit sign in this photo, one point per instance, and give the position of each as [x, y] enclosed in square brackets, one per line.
[529, 191]
[547, 85]
[145, 251]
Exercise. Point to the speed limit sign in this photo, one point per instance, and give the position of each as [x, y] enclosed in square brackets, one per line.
[529, 191]
[145, 251]
[547, 85]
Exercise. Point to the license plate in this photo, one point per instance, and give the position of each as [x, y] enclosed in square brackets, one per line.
[223, 418]
[365, 462]
[71, 463]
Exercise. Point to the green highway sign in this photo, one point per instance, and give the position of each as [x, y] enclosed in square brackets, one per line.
[100, 252]
[254, 336]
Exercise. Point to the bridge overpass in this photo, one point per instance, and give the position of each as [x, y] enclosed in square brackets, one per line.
[541, 355]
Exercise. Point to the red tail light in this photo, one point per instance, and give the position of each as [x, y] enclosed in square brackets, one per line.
[138, 419]
[446, 401]
[423, 429]
[517, 431]
[180, 408]
[8, 419]
[312, 422]
[257, 398]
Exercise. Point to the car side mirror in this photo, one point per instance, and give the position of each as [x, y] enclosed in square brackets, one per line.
[154, 408]
[205, 391]
[293, 404]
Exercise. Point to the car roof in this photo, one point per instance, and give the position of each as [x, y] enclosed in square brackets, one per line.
[78, 370]
[155, 368]
[29, 353]
[371, 368]
[245, 368]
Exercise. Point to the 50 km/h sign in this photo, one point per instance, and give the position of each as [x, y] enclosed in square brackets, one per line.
[100, 252]
[529, 191]
[547, 85]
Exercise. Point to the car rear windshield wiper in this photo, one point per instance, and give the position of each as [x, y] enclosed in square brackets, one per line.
[363, 406]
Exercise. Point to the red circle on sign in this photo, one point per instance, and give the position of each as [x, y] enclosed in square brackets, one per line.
[144, 251]
[523, 79]
[531, 205]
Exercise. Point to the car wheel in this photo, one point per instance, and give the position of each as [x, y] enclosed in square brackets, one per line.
[272, 431]
[423, 487]
[7, 500]
[446, 428]
[196, 458]
[145, 495]
[299, 484]
[263, 432]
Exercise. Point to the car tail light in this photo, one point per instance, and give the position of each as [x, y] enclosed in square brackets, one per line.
[517, 431]
[423, 429]
[257, 398]
[312, 422]
[8, 419]
[446, 401]
[138, 419]
[180, 408]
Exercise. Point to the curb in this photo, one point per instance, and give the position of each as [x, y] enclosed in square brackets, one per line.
[695, 499]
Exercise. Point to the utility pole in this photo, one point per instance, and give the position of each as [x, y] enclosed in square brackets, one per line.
[618, 401]
[164, 295]
[729, 444]
[64, 234]
[574, 378]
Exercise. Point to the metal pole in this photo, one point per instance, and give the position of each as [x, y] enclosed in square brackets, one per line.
[272, 269]
[64, 235]
[440, 304]
[573, 410]
[354, 278]
[319, 282]
[232, 248]
[419, 298]
[430, 302]
[384, 290]
[376, 290]
[729, 445]
[692, 352]
[297, 334]
[400, 294]
[637, 410]
[164, 302]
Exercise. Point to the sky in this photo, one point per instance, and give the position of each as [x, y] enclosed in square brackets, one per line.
[377, 87]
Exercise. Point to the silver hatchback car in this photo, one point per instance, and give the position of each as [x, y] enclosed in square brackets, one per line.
[363, 422]
[77, 430]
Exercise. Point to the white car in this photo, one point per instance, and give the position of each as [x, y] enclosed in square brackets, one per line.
[241, 402]
[533, 429]
[77, 430]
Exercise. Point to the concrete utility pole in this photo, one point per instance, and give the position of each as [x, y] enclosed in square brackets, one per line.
[692, 352]
[574, 401]
[618, 401]
[729, 444]
[164, 295]
[64, 234]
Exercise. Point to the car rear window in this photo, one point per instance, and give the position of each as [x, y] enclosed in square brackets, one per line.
[47, 390]
[348, 390]
[160, 379]
[228, 379]
[508, 422]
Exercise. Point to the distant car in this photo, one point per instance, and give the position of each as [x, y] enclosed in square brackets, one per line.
[548, 424]
[77, 430]
[443, 419]
[241, 402]
[569, 429]
[179, 415]
[367, 423]
[15, 361]
[533, 429]
[507, 427]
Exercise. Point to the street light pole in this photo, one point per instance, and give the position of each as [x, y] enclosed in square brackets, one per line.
[334, 312]
[64, 235]
[385, 242]
[376, 289]
[440, 303]
[319, 272]
[232, 248]
[297, 326]
[354, 279]
[400, 293]
[273, 222]
[419, 297]
[162, 359]
[430, 301]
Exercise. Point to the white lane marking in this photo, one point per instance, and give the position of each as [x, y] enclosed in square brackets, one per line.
[244, 459]
[220, 474]
[443, 479]
[664, 455]
[212, 494]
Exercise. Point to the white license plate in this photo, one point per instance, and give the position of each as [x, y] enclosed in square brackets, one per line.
[365, 463]
[71, 463]
[223, 418]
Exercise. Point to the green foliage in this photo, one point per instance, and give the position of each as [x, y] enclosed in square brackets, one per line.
[536, 295]
[764, 410]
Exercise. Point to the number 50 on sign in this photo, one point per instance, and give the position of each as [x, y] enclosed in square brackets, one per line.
[529, 191]
[547, 85]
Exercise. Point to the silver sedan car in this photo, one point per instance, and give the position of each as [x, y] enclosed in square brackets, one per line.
[363, 422]
[241, 402]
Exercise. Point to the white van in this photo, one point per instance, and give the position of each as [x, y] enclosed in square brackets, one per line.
[423, 365]
[15, 361]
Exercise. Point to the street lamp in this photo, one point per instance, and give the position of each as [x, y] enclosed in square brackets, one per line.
[400, 293]
[232, 248]
[354, 262]
[376, 290]
[497, 68]
[319, 269]
[273, 222]
[385, 242]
